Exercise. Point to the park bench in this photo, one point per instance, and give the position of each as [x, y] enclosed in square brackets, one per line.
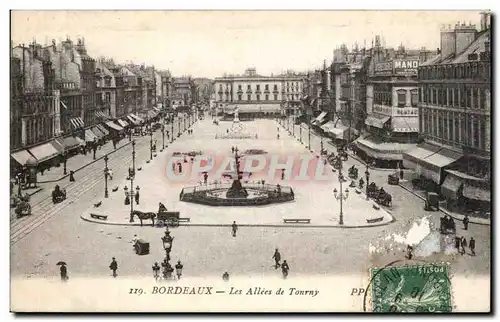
[186, 219]
[97, 216]
[297, 221]
[374, 220]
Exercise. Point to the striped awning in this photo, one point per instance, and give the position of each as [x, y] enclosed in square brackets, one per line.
[89, 136]
[134, 121]
[114, 126]
[376, 120]
[102, 129]
[157, 108]
[101, 115]
[77, 122]
[122, 122]
[136, 117]
[152, 114]
[97, 132]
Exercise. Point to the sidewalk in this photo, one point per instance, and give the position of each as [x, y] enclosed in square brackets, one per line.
[460, 217]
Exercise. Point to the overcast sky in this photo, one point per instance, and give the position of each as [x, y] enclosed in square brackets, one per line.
[210, 43]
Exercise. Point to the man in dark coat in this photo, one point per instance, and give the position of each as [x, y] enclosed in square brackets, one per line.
[113, 266]
[285, 268]
[463, 241]
[465, 221]
[64, 273]
[234, 228]
[472, 246]
[137, 197]
[225, 276]
[277, 258]
[457, 243]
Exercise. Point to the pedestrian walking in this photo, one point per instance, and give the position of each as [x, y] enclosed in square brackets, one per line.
[465, 221]
[457, 243]
[277, 259]
[63, 271]
[225, 276]
[409, 252]
[113, 266]
[136, 197]
[282, 174]
[284, 269]
[278, 136]
[156, 270]
[463, 242]
[180, 167]
[472, 246]
[178, 269]
[234, 228]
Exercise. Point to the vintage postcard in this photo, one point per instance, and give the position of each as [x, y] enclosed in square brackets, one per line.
[250, 161]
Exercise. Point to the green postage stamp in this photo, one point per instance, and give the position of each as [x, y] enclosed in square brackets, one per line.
[416, 288]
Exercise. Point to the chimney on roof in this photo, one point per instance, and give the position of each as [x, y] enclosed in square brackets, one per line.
[485, 20]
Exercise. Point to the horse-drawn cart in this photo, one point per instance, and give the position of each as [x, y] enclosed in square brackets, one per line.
[393, 179]
[169, 218]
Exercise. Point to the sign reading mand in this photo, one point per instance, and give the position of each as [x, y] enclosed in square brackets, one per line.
[405, 289]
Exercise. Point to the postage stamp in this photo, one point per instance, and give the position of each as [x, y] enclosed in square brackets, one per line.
[415, 288]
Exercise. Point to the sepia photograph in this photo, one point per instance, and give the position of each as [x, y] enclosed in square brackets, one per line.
[250, 161]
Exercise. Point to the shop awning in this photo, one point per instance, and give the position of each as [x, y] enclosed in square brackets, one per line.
[152, 114]
[451, 187]
[70, 142]
[320, 117]
[387, 152]
[100, 114]
[58, 145]
[422, 151]
[122, 123]
[97, 132]
[134, 121]
[89, 136]
[77, 122]
[405, 124]
[80, 141]
[431, 166]
[157, 109]
[102, 129]
[44, 152]
[136, 117]
[376, 120]
[21, 156]
[326, 127]
[114, 126]
[477, 192]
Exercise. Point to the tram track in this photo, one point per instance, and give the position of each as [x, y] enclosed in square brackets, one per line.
[22, 227]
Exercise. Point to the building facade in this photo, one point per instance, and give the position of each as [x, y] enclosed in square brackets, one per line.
[88, 85]
[256, 93]
[455, 117]
[16, 101]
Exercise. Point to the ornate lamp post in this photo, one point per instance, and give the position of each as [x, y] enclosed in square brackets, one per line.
[133, 155]
[151, 144]
[65, 159]
[293, 125]
[184, 129]
[179, 127]
[367, 174]
[341, 196]
[172, 130]
[106, 174]
[163, 136]
[321, 144]
[300, 132]
[167, 242]
[309, 135]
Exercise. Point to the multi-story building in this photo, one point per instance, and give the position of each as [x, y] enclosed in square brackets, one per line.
[203, 89]
[455, 117]
[16, 101]
[66, 64]
[253, 93]
[165, 91]
[88, 85]
[106, 91]
[391, 105]
[37, 107]
[182, 91]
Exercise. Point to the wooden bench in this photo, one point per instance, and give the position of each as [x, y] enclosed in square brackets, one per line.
[297, 221]
[374, 220]
[101, 217]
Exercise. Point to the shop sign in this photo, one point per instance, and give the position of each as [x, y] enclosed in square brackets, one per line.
[406, 67]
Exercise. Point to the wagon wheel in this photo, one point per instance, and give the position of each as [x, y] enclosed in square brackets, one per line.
[160, 223]
[174, 222]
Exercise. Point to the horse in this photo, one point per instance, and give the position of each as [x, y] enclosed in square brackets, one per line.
[144, 215]
[386, 200]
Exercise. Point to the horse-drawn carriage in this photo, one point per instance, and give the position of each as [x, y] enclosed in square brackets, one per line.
[22, 205]
[431, 202]
[447, 225]
[163, 217]
[353, 172]
[58, 194]
[393, 179]
[379, 195]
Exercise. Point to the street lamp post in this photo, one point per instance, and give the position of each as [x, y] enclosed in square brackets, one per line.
[300, 132]
[172, 132]
[106, 173]
[130, 194]
[341, 196]
[309, 135]
[184, 130]
[179, 127]
[167, 242]
[151, 144]
[65, 156]
[163, 136]
[367, 174]
[293, 125]
[133, 155]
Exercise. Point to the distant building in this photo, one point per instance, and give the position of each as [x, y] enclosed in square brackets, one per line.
[455, 118]
[253, 93]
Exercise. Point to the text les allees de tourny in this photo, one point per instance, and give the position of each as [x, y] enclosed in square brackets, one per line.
[208, 290]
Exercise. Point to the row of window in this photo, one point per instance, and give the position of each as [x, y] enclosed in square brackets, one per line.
[454, 129]
[38, 129]
[385, 97]
[455, 71]
[257, 87]
[454, 96]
